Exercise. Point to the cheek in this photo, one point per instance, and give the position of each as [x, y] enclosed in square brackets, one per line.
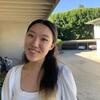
[26, 43]
[47, 47]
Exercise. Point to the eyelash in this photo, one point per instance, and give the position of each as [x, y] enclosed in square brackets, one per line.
[44, 39]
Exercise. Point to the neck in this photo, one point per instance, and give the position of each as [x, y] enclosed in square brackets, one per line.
[34, 66]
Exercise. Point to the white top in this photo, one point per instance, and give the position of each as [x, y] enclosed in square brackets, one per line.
[11, 88]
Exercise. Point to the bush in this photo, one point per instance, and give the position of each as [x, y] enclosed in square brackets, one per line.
[59, 44]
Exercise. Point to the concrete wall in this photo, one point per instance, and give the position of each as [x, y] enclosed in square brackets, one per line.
[96, 31]
[97, 37]
[12, 36]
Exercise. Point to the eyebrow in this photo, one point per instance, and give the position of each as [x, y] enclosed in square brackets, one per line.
[31, 31]
[41, 35]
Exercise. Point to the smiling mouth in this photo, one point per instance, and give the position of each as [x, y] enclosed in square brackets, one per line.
[33, 50]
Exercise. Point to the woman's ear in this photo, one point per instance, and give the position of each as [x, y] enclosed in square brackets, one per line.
[52, 46]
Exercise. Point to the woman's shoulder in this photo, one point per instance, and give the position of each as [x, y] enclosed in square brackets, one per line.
[13, 70]
[65, 78]
[64, 69]
[65, 73]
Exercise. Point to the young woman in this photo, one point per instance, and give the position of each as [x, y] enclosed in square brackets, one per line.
[41, 77]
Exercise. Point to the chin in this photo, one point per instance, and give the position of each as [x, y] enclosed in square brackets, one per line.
[32, 59]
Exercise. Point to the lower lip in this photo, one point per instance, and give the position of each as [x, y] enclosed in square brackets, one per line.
[32, 51]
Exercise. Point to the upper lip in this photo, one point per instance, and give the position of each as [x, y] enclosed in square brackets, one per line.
[34, 49]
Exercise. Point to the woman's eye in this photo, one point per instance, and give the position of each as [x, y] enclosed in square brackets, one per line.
[43, 39]
[30, 35]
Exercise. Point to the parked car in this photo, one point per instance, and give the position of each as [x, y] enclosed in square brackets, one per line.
[92, 47]
[81, 47]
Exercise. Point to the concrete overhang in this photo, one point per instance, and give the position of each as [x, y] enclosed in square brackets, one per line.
[26, 10]
[94, 22]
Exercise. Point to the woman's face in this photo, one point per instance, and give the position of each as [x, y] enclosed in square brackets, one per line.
[38, 41]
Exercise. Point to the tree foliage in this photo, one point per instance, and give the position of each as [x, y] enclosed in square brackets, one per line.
[72, 24]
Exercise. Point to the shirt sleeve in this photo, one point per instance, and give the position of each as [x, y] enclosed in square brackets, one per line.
[7, 88]
[67, 84]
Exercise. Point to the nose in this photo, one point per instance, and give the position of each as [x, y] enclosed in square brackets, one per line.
[35, 42]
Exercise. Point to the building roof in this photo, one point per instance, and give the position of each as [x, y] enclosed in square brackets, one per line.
[94, 22]
[26, 10]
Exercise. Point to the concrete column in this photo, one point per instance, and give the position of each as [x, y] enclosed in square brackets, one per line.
[97, 37]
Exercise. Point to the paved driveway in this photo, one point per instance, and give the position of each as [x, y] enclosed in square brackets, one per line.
[85, 66]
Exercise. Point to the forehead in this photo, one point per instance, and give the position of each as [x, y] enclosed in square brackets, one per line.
[41, 29]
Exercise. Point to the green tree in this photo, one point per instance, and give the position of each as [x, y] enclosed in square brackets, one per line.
[72, 24]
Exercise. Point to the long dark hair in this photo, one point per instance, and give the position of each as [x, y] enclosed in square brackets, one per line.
[48, 81]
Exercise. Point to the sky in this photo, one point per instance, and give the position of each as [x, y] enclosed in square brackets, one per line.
[64, 5]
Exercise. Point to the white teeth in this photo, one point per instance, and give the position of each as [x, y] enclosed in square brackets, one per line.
[33, 51]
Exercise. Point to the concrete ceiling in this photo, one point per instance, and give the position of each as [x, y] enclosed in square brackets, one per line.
[25, 10]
